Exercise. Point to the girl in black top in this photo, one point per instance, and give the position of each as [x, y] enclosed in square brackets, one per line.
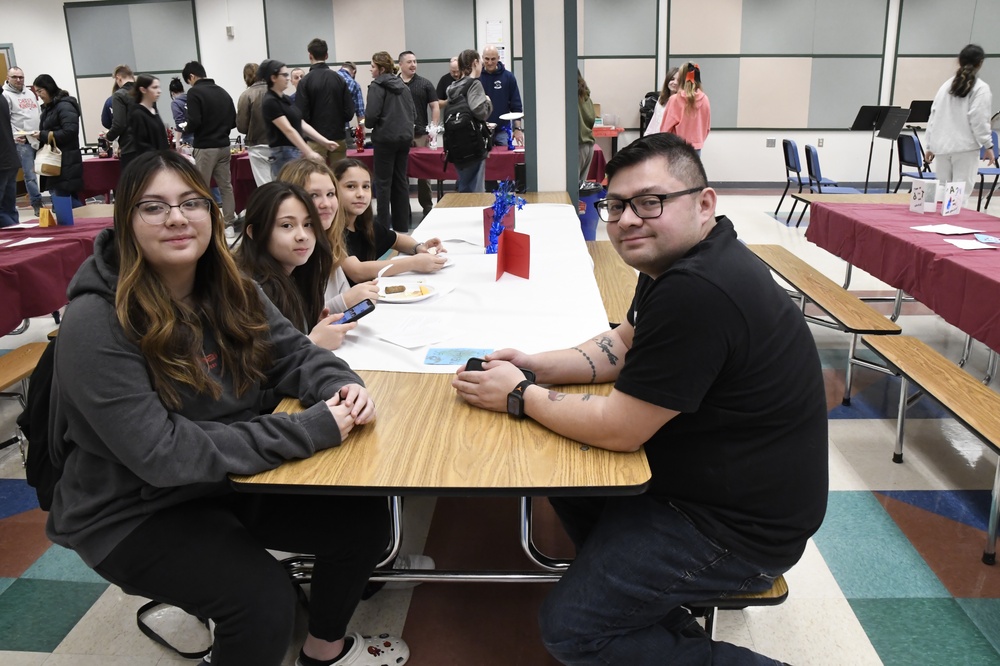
[367, 241]
[144, 124]
[285, 120]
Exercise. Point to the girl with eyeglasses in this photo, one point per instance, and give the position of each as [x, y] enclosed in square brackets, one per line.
[285, 250]
[319, 182]
[164, 356]
[688, 113]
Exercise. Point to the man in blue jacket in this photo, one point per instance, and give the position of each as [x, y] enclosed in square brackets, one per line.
[501, 87]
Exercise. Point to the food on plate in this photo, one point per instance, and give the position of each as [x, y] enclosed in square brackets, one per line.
[424, 290]
[395, 289]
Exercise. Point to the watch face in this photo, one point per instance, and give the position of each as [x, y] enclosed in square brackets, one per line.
[514, 405]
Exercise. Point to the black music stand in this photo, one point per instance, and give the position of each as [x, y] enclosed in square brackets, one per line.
[870, 119]
[892, 125]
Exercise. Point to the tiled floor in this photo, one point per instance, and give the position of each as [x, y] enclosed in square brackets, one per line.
[893, 576]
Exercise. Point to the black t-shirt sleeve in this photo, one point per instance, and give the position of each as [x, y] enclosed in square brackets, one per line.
[271, 108]
[357, 243]
[684, 328]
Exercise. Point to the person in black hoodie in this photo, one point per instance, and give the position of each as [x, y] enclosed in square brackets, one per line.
[163, 364]
[60, 120]
[122, 104]
[211, 117]
[144, 124]
[391, 117]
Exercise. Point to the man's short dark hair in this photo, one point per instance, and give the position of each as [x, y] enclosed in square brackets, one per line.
[193, 68]
[317, 49]
[350, 67]
[405, 53]
[683, 162]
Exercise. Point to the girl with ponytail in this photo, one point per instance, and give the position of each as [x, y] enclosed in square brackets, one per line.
[960, 122]
[688, 113]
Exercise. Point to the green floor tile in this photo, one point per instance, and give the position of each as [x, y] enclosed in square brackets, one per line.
[58, 563]
[905, 632]
[5, 583]
[35, 615]
[855, 514]
[985, 613]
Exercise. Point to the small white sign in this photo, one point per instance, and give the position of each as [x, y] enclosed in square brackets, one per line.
[917, 195]
[954, 195]
[946, 229]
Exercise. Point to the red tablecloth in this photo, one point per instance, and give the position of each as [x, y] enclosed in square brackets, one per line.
[33, 278]
[100, 176]
[962, 286]
[429, 164]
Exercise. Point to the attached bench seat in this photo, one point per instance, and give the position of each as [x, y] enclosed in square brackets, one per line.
[772, 597]
[974, 405]
[845, 311]
[17, 365]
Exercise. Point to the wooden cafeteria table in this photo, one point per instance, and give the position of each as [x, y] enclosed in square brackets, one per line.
[615, 279]
[465, 200]
[811, 198]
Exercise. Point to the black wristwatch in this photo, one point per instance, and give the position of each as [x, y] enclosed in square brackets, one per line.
[515, 399]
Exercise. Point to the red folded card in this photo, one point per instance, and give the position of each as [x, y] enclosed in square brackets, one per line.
[513, 254]
[508, 223]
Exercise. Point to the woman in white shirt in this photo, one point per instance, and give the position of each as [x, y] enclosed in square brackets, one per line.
[670, 83]
[960, 122]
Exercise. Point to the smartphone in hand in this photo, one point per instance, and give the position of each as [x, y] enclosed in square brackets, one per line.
[476, 365]
[357, 312]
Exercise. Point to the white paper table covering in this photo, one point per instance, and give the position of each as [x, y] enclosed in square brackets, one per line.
[559, 306]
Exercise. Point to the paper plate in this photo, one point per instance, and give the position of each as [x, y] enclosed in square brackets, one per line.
[513, 115]
[412, 292]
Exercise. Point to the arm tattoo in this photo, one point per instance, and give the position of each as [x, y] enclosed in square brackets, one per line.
[593, 368]
[585, 397]
[605, 344]
[555, 396]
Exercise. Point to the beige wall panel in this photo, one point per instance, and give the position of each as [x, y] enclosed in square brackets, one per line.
[515, 29]
[92, 93]
[705, 26]
[362, 28]
[762, 103]
[920, 78]
[618, 86]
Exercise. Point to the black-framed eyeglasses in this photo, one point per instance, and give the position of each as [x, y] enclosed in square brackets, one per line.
[644, 206]
[157, 212]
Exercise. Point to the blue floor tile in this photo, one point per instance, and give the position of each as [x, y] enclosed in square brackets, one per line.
[5, 583]
[969, 507]
[16, 496]
[985, 613]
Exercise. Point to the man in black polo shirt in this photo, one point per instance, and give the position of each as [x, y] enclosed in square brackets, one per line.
[716, 374]
[211, 117]
[423, 94]
[325, 101]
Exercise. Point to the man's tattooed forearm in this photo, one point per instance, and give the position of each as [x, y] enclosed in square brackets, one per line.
[593, 368]
[605, 344]
[585, 397]
[555, 396]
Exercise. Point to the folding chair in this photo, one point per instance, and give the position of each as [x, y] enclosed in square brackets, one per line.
[989, 171]
[817, 183]
[792, 166]
[911, 155]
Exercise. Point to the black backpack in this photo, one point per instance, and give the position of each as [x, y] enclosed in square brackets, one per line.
[41, 472]
[646, 108]
[466, 138]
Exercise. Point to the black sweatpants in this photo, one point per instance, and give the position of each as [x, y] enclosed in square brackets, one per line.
[208, 557]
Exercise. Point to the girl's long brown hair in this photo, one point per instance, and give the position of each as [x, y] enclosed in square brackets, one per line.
[366, 221]
[665, 90]
[297, 172]
[298, 296]
[169, 333]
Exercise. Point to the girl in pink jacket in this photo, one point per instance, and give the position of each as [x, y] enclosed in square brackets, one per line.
[688, 113]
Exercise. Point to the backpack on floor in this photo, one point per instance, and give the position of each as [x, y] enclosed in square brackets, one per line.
[41, 472]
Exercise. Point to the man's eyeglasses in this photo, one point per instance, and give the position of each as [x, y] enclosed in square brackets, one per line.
[644, 206]
[19, 78]
[157, 212]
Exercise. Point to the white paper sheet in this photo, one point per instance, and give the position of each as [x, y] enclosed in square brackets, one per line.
[969, 244]
[30, 241]
[947, 229]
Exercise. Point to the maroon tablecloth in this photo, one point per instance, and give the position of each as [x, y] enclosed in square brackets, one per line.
[962, 286]
[33, 278]
[100, 176]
